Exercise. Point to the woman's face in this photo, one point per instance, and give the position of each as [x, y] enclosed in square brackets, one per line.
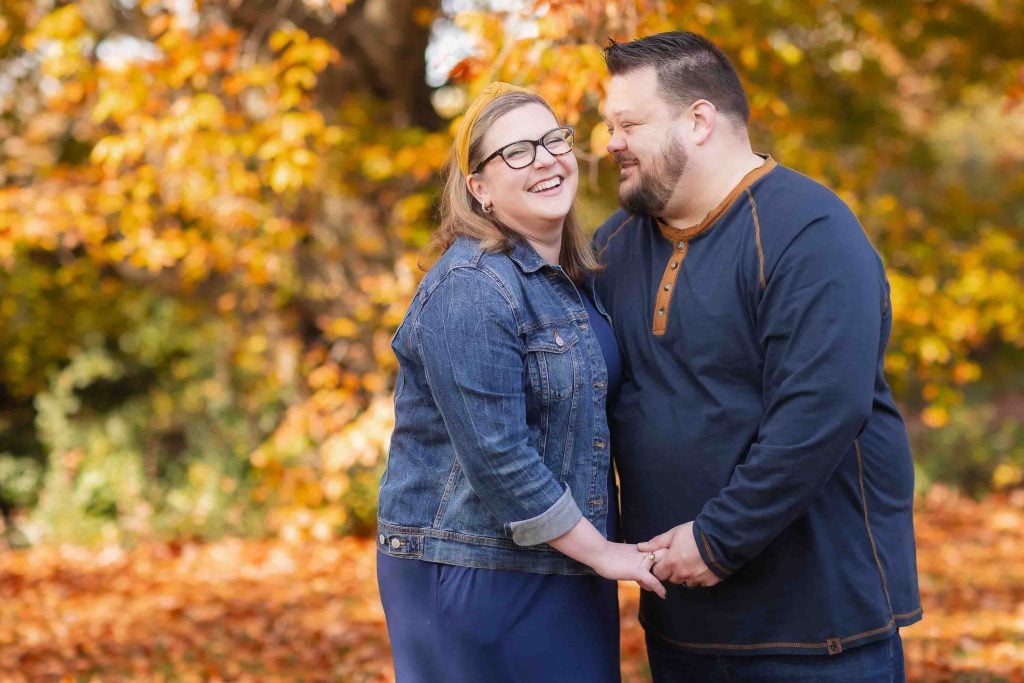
[535, 199]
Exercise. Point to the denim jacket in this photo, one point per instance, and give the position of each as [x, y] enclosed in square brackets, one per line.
[501, 436]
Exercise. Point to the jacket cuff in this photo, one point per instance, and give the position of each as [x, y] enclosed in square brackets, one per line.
[557, 520]
[707, 552]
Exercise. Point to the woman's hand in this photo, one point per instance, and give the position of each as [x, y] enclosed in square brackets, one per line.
[623, 562]
[618, 561]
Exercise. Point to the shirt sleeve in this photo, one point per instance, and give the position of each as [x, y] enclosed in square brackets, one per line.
[474, 364]
[819, 323]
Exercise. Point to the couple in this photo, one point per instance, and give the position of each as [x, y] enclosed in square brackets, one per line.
[733, 319]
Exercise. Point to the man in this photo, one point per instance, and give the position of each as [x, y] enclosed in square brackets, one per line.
[754, 424]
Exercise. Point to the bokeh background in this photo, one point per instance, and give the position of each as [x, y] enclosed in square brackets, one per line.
[210, 217]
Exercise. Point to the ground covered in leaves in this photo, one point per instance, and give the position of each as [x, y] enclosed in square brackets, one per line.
[268, 611]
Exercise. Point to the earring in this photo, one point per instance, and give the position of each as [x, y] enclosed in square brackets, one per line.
[486, 207]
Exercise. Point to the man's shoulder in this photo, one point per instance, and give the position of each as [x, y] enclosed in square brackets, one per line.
[787, 202]
[797, 213]
[612, 227]
[787, 190]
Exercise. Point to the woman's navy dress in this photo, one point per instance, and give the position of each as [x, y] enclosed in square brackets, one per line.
[450, 624]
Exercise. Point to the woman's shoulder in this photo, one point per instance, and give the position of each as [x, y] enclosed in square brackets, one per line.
[474, 263]
[470, 273]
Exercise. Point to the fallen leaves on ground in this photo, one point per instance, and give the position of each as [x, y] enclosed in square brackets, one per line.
[250, 610]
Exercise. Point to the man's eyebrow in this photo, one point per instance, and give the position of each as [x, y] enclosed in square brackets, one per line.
[620, 113]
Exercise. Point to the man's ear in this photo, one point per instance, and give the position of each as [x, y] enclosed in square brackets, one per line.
[701, 120]
[478, 188]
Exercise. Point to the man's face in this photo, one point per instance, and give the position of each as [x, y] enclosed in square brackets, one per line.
[645, 141]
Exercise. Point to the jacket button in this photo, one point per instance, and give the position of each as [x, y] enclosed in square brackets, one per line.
[558, 340]
[396, 543]
[381, 539]
[599, 444]
[584, 326]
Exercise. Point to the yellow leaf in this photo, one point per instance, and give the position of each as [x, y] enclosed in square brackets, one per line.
[599, 139]
[935, 416]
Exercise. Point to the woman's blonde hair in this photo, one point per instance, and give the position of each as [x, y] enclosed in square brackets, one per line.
[461, 214]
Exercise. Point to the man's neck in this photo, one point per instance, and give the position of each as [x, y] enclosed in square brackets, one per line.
[703, 190]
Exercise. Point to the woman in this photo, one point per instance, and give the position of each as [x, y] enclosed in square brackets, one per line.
[497, 499]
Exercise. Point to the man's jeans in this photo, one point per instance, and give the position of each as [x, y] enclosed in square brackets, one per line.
[880, 662]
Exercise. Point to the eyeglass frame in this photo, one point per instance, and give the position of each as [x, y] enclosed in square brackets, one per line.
[536, 143]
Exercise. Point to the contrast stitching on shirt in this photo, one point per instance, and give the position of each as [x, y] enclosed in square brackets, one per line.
[667, 286]
[711, 219]
[615, 232]
[711, 554]
[757, 240]
[822, 645]
[907, 615]
[682, 236]
[867, 524]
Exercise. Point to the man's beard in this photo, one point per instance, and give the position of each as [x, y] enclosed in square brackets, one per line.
[653, 188]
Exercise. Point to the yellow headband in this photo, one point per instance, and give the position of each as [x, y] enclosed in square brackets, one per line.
[465, 131]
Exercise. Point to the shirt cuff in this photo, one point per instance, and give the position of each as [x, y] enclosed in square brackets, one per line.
[707, 553]
[557, 520]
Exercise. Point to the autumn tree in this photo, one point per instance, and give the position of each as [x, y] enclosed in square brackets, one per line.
[209, 219]
[202, 257]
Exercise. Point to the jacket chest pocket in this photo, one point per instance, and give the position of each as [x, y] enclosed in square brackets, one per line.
[552, 361]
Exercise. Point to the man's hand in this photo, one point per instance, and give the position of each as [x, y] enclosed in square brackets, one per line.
[678, 560]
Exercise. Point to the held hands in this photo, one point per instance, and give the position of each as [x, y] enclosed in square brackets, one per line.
[677, 559]
[622, 561]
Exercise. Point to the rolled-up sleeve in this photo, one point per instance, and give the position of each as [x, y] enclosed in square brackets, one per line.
[819, 322]
[468, 340]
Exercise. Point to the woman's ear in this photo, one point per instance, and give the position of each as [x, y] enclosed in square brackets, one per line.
[478, 188]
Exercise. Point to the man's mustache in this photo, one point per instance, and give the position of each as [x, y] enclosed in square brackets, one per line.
[622, 158]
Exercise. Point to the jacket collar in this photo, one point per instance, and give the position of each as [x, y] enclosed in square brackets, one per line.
[524, 256]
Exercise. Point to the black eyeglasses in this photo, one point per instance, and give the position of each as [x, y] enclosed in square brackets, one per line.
[522, 153]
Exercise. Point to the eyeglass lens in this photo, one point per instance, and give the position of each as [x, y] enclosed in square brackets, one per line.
[522, 154]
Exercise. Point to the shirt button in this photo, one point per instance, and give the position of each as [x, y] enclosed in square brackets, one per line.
[680, 245]
[661, 312]
[673, 265]
[396, 544]
[667, 287]
[558, 340]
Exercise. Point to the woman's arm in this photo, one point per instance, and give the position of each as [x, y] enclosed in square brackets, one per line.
[620, 561]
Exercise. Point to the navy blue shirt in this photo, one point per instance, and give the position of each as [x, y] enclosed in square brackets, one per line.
[754, 402]
[613, 360]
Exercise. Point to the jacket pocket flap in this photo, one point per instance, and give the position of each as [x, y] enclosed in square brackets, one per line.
[552, 338]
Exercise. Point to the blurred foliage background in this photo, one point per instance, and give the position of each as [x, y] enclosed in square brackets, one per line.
[210, 213]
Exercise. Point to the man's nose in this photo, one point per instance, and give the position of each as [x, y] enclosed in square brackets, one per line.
[616, 143]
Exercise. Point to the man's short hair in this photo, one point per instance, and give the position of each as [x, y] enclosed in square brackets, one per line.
[689, 67]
